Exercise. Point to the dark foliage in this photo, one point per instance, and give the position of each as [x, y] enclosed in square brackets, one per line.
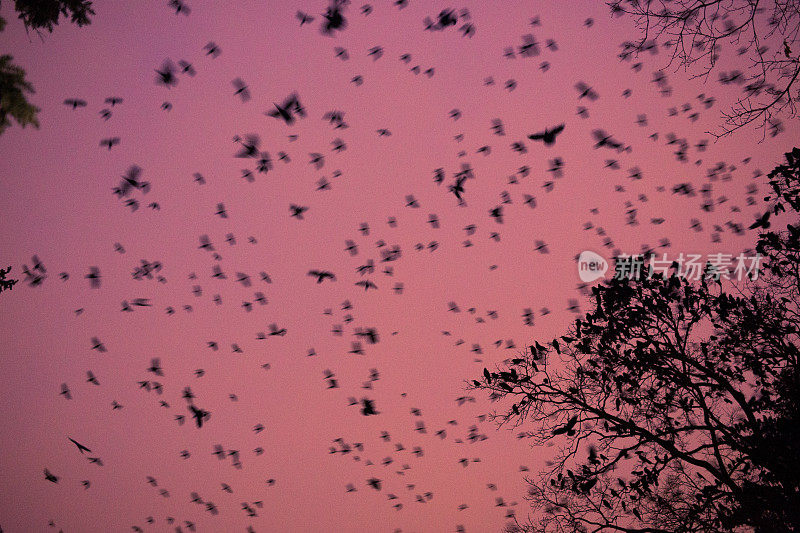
[44, 14]
[6, 284]
[675, 403]
[698, 33]
[13, 103]
[37, 15]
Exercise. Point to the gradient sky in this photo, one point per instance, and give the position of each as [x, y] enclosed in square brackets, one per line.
[57, 202]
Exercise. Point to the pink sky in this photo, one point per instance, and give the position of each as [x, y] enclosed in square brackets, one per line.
[57, 203]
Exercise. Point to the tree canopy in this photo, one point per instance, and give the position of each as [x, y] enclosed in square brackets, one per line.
[13, 103]
[45, 14]
[700, 33]
[37, 15]
[674, 402]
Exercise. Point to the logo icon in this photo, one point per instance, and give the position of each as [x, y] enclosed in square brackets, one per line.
[591, 266]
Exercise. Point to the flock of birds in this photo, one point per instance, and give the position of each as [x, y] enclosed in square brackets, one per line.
[378, 264]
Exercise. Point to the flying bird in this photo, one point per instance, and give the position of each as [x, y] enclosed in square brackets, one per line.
[75, 103]
[50, 477]
[200, 415]
[81, 447]
[242, 90]
[166, 76]
[304, 18]
[288, 109]
[548, 136]
[322, 275]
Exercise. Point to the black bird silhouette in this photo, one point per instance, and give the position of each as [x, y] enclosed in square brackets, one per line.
[186, 67]
[368, 407]
[548, 136]
[446, 18]
[317, 159]
[304, 18]
[371, 334]
[94, 277]
[274, 330]
[458, 188]
[297, 211]
[242, 90]
[334, 18]
[180, 7]
[75, 102]
[367, 284]
[81, 447]
[321, 275]
[212, 49]
[110, 142]
[585, 91]
[290, 107]
[98, 345]
[567, 428]
[166, 76]
[529, 47]
[607, 140]
[50, 477]
[199, 415]
[155, 366]
[497, 214]
[250, 145]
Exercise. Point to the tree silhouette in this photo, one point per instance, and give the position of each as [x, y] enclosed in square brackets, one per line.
[44, 14]
[674, 402]
[13, 103]
[37, 15]
[765, 33]
[6, 284]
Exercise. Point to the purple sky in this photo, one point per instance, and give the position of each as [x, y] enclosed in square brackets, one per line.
[57, 203]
